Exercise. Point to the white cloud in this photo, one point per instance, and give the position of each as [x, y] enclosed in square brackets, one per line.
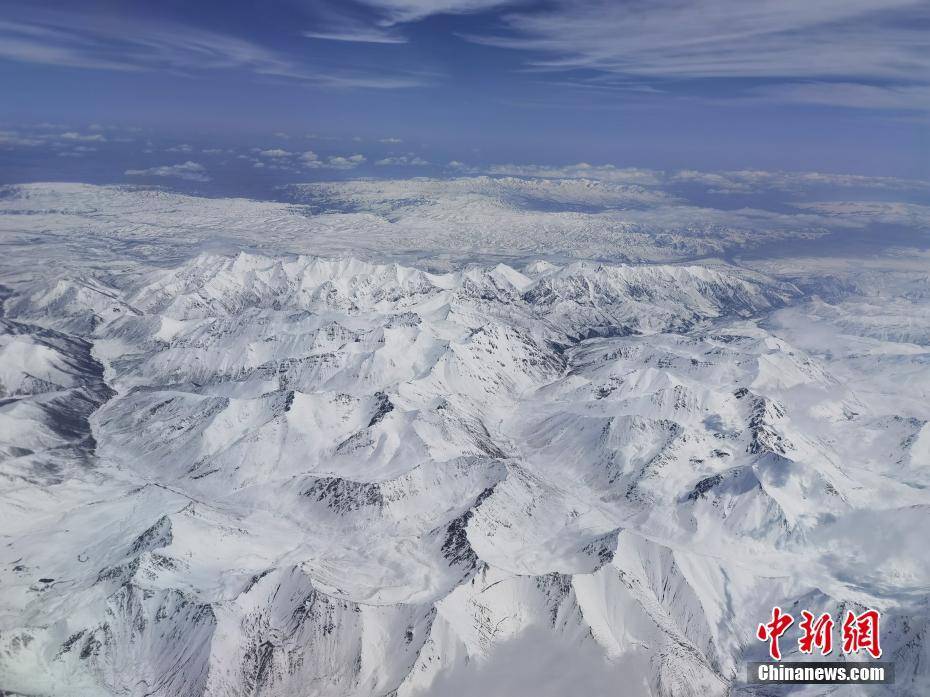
[192, 171]
[911, 215]
[345, 162]
[183, 147]
[748, 181]
[275, 152]
[16, 139]
[109, 127]
[312, 160]
[77, 151]
[582, 170]
[402, 161]
[391, 141]
[74, 135]
[727, 182]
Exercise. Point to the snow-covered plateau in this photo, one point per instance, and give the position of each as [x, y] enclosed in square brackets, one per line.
[427, 439]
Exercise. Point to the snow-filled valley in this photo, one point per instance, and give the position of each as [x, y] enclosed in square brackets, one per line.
[318, 467]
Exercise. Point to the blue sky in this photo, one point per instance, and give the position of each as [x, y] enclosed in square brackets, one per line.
[826, 85]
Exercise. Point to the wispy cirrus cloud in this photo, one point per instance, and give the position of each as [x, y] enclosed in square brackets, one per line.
[398, 11]
[380, 25]
[191, 171]
[849, 94]
[73, 40]
[365, 35]
[345, 22]
[860, 52]
[50, 45]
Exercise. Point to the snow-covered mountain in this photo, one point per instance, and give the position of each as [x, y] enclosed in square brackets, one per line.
[267, 474]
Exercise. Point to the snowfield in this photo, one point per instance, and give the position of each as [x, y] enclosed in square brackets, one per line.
[321, 467]
[429, 222]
